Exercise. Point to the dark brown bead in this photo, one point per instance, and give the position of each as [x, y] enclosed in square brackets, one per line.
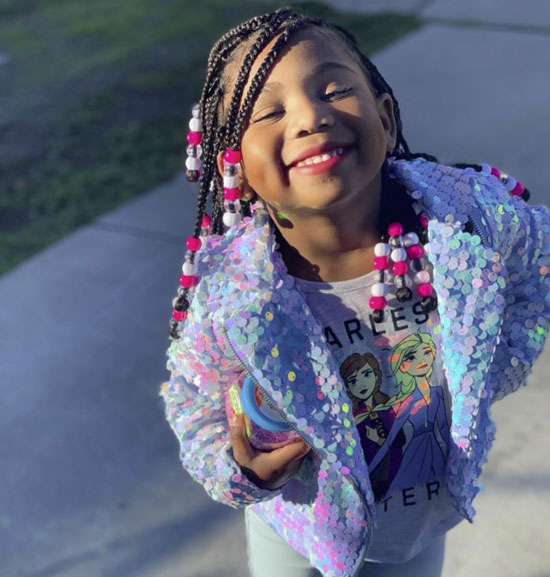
[404, 294]
[182, 304]
[192, 175]
[429, 304]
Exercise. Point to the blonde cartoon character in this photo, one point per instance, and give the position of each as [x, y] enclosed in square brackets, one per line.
[423, 406]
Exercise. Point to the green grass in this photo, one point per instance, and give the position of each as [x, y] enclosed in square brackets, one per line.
[98, 102]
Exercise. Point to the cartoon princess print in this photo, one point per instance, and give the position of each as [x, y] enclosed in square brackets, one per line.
[363, 377]
[422, 405]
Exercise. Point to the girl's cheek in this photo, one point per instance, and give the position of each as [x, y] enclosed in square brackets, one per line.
[405, 367]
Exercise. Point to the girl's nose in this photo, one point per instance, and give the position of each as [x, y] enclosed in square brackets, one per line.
[311, 116]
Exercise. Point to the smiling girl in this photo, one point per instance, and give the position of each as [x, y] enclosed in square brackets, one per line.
[320, 215]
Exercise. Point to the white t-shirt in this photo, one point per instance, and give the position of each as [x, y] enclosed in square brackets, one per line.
[401, 408]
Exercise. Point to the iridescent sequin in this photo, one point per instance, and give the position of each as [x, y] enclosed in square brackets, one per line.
[247, 317]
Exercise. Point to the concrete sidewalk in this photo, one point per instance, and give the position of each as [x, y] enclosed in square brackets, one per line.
[91, 482]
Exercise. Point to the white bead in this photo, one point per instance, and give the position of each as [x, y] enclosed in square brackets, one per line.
[195, 111]
[410, 238]
[199, 150]
[427, 248]
[190, 269]
[382, 249]
[231, 218]
[231, 181]
[398, 254]
[422, 276]
[195, 125]
[192, 163]
[379, 289]
[510, 184]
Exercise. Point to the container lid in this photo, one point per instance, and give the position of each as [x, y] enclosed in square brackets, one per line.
[255, 405]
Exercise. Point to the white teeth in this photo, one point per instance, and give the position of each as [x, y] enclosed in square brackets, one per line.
[320, 157]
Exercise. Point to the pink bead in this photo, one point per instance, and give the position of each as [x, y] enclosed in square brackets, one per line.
[425, 289]
[194, 138]
[193, 244]
[206, 221]
[415, 251]
[188, 281]
[381, 262]
[377, 303]
[395, 229]
[423, 219]
[179, 315]
[232, 156]
[495, 171]
[231, 194]
[518, 189]
[400, 267]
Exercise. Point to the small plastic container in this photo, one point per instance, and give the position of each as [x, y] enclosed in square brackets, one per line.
[265, 428]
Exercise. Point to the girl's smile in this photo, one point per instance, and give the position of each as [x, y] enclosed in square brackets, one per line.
[319, 162]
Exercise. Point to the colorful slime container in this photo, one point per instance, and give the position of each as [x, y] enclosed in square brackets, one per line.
[265, 428]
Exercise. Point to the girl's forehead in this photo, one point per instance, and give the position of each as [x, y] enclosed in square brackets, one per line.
[307, 47]
[313, 45]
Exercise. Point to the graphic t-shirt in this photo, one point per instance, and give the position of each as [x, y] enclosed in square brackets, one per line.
[401, 408]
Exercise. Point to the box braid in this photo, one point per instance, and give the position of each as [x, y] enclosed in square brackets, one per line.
[223, 128]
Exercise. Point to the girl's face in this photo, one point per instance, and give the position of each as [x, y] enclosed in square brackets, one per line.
[362, 383]
[418, 362]
[316, 99]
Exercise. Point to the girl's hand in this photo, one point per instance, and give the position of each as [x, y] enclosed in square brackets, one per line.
[267, 470]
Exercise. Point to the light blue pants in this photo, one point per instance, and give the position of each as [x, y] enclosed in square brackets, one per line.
[270, 556]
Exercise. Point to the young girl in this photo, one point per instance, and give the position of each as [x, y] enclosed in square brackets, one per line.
[328, 238]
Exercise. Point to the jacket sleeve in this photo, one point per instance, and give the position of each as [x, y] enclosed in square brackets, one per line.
[194, 399]
[527, 293]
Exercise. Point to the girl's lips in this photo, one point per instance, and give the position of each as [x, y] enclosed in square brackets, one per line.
[321, 167]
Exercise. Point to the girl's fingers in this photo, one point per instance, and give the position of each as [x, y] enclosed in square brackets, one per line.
[242, 450]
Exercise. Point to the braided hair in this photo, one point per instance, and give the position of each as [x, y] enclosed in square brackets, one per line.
[222, 126]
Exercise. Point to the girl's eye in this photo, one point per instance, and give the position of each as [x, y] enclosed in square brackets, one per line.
[336, 93]
[266, 116]
[410, 357]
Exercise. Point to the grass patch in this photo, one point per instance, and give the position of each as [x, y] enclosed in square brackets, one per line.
[98, 102]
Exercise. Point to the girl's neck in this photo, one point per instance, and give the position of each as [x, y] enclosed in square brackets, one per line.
[330, 248]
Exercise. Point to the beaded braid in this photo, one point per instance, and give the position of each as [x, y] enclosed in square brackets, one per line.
[223, 129]
[219, 132]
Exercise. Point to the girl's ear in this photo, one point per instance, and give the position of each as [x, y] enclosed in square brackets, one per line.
[219, 162]
[384, 104]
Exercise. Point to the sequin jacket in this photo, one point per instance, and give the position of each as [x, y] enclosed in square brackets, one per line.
[247, 317]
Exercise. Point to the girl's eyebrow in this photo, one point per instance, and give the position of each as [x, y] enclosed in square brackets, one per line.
[319, 69]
